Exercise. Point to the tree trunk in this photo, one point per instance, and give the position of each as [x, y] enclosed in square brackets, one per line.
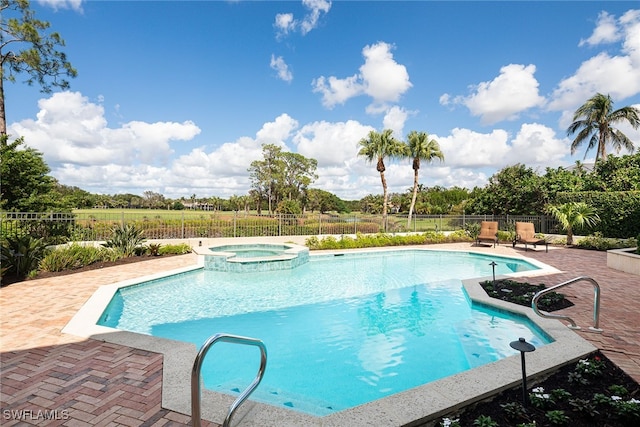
[385, 196]
[3, 117]
[413, 197]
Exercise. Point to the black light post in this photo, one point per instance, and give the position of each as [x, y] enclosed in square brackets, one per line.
[523, 347]
[493, 267]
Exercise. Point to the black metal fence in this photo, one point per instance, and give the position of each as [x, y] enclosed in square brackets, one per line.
[63, 227]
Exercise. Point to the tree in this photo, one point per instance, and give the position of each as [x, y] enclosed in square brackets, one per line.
[281, 175]
[376, 147]
[616, 174]
[420, 147]
[324, 201]
[594, 122]
[26, 187]
[514, 190]
[25, 47]
[572, 216]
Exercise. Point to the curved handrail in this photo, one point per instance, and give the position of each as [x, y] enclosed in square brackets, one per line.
[596, 303]
[197, 365]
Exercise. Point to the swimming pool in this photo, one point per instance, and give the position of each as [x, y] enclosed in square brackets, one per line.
[379, 321]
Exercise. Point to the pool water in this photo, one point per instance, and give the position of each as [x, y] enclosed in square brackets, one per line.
[340, 330]
[251, 251]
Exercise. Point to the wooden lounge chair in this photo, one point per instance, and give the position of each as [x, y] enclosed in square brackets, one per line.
[488, 232]
[526, 233]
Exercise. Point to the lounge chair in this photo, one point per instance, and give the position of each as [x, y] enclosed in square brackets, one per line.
[526, 233]
[488, 232]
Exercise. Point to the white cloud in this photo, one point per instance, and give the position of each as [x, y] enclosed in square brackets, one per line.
[606, 31]
[331, 144]
[536, 145]
[282, 68]
[395, 119]
[384, 79]
[316, 7]
[514, 91]
[71, 129]
[63, 4]
[337, 91]
[285, 22]
[380, 77]
[468, 148]
[618, 75]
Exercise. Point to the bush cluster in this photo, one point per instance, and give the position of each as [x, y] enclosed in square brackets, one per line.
[599, 243]
[383, 239]
[24, 255]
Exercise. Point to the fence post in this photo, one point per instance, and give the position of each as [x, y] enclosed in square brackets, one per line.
[182, 224]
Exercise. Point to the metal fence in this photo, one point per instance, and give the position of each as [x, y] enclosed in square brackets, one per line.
[63, 227]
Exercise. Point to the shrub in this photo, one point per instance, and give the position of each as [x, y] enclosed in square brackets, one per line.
[472, 229]
[76, 256]
[600, 243]
[179, 249]
[125, 239]
[21, 254]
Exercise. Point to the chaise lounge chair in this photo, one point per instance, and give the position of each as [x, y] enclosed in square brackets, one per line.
[488, 232]
[525, 233]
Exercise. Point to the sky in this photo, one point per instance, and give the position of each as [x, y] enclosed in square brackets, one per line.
[178, 97]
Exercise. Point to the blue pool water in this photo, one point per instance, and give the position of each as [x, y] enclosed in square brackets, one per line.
[251, 251]
[340, 330]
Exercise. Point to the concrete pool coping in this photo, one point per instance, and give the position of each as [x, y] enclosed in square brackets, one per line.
[411, 407]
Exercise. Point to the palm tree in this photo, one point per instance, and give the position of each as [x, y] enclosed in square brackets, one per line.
[377, 146]
[593, 121]
[420, 147]
[574, 215]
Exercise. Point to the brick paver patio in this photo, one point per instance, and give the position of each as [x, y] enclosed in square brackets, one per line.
[50, 378]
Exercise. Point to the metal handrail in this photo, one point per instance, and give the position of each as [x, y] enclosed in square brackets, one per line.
[197, 365]
[596, 303]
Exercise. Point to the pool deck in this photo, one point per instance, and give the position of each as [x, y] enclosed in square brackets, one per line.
[77, 381]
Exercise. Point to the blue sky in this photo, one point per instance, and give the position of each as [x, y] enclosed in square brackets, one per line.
[177, 97]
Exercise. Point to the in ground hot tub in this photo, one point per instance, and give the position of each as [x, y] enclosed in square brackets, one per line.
[246, 257]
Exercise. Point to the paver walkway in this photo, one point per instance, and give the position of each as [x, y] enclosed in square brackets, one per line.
[50, 378]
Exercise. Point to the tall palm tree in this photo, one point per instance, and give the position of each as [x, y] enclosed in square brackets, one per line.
[376, 147]
[420, 147]
[574, 215]
[593, 122]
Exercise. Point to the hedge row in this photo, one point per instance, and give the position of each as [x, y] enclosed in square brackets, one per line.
[619, 210]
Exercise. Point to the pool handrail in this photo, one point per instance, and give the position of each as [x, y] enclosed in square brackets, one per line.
[197, 365]
[596, 303]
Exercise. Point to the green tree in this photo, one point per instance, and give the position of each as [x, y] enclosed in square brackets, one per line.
[376, 147]
[593, 122]
[299, 172]
[281, 175]
[420, 147]
[616, 174]
[514, 190]
[573, 216]
[324, 201]
[264, 174]
[26, 185]
[26, 47]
